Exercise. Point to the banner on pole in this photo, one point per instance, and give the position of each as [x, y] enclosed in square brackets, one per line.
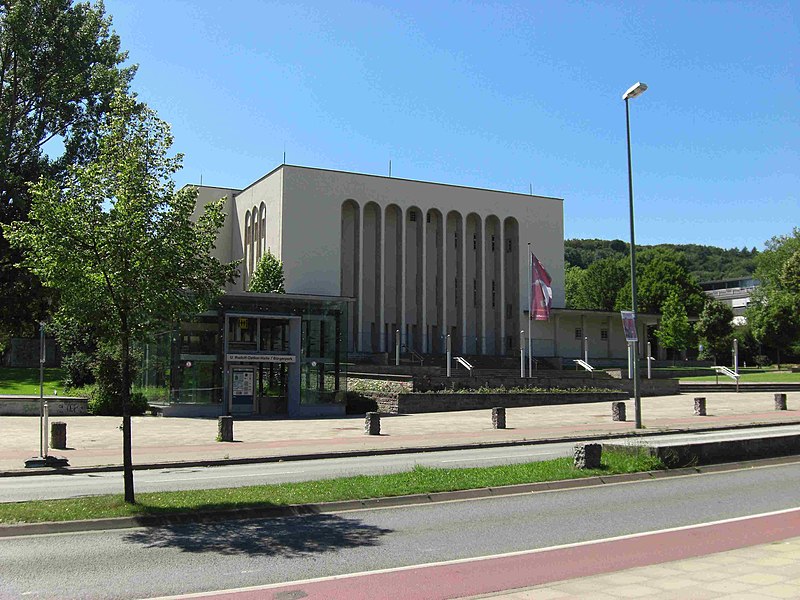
[541, 291]
[629, 325]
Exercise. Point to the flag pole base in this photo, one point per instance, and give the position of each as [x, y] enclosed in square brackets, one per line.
[46, 461]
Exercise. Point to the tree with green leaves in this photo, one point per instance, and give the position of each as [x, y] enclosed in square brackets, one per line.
[268, 275]
[774, 309]
[573, 287]
[777, 252]
[60, 64]
[705, 263]
[774, 318]
[714, 329]
[674, 330]
[790, 273]
[602, 282]
[119, 243]
[659, 272]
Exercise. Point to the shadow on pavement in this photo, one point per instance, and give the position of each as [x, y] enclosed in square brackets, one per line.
[283, 536]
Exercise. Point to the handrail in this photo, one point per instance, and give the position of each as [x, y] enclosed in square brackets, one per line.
[414, 354]
[728, 373]
[580, 363]
[463, 362]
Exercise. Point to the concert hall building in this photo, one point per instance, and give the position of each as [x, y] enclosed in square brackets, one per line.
[369, 258]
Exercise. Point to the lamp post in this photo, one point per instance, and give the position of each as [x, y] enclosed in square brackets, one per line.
[635, 90]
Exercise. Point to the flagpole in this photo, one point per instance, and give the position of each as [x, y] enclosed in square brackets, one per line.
[530, 312]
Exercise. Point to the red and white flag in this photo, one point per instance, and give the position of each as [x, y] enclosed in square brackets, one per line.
[541, 292]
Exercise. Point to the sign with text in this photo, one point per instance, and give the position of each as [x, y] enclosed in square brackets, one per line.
[270, 358]
[243, 383]
[629, 325]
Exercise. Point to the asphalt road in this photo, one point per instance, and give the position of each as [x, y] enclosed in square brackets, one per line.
[178, 478]
[42, 487]
[148, 562]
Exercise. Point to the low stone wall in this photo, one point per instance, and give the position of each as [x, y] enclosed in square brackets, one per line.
[677, 454]
[188, 409]
[425, 403]
[647, 387]
[465, 382]
[57, 406]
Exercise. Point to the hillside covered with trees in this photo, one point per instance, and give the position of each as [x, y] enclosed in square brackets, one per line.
[704, 263]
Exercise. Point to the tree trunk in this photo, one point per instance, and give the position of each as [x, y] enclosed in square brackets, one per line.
[779, 359]
[127, 459]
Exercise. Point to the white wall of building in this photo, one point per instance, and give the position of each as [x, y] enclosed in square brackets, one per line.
[227, 244]
[423, 258]
[264, 198]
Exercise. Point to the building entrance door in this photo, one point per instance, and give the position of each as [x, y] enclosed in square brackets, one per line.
[271, 384]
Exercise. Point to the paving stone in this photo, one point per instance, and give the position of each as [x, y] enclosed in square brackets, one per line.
[633, 591]
[729, 587]
[780, 591]
[761, 579]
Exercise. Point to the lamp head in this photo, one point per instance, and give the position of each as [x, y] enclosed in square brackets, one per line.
[637, 89]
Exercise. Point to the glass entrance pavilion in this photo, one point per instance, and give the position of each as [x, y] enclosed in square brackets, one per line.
[254, 354]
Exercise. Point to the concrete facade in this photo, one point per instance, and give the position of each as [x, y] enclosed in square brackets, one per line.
[424, 260]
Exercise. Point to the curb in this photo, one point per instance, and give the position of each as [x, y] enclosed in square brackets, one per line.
[293, 510]
[377, 452]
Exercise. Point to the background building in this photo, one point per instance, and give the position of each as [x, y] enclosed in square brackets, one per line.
[733, 292]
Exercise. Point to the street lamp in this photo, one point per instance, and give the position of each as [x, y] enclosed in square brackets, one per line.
[635, 90]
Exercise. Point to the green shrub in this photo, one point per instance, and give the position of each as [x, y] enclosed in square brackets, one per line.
[78, 366]
[525, 390]
[763, 360]
[378, 385]
[105, 397]
[103, 401]
[78, 344]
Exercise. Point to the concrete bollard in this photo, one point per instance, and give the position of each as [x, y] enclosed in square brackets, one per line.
[587, 456]
[499, 417]
[225, 429]
[699, 407]
[780, 401]
[372, 424]
[58, 435]
[617, 411]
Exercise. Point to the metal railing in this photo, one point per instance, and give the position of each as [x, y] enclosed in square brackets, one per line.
[414, 355]
[728, 373]
[582, 363]
[463, 362]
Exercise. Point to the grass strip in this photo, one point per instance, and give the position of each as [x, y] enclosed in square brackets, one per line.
[25, 381]
[420, 480]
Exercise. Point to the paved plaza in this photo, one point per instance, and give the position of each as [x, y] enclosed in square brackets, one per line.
[96, 441]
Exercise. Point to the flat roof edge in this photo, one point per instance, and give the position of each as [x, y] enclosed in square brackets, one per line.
[385, 177]
[256, 295]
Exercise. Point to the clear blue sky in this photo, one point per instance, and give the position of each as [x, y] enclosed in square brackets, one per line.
[498, 95]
